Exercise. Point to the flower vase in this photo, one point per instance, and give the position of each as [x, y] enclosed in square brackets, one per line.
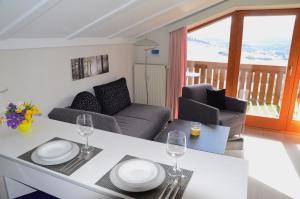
[24, 128]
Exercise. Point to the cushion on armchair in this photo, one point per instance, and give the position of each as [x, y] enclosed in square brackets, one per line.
[196, 92]
[86, 101]
[216, 98]
[113, 96]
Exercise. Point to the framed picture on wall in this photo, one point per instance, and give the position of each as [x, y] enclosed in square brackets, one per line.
[89, 66]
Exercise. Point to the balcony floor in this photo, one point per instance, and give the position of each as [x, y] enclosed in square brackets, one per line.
[263, 110]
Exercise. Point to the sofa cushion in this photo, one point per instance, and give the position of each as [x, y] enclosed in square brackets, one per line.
[216, 98]
[86, 101]
[159, 116]
[136, 127]
[113, 96]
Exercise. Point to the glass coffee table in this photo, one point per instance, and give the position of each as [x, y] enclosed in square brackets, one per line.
[213, 138]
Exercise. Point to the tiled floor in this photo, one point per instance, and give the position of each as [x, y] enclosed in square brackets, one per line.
[274, 164]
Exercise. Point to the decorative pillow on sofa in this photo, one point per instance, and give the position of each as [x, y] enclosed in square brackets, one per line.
[113, 96]
[86, 101]
[216, 98]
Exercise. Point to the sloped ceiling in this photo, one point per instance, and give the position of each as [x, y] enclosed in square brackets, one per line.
[98, 19]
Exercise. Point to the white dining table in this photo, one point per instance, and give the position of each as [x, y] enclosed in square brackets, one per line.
[215, 176]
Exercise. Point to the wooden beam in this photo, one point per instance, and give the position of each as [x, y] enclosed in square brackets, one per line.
[188, 13]
[36, 11]
[144, 20]
[100, 19]
[235, 46]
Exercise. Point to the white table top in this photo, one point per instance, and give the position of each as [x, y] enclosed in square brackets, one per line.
[215, 176]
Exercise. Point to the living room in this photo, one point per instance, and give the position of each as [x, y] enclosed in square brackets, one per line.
[98, 99]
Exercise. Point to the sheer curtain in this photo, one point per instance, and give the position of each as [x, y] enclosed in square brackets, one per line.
[177, 68]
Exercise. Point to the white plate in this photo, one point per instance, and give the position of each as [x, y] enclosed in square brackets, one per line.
[54, 149]
[137, 175]
[74, 152]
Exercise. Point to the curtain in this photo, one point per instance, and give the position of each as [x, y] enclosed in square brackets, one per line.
[177, 68]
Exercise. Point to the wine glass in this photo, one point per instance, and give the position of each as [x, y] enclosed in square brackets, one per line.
[176, 147]
[85, 128]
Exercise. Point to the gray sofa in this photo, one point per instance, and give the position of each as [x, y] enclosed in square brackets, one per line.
[138, 120]
[193, 106]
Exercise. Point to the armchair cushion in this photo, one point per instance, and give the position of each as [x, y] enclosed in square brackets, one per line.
[227, 118]
[216, 98]
[236, 105]
[196, 92]
[234, 120]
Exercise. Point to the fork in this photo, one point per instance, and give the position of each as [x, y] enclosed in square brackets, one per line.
[180, 184]
[74, 162]
[169, 183]
[174, 184]
[85, 156]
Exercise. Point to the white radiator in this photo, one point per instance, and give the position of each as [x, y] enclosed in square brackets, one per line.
[156, 83]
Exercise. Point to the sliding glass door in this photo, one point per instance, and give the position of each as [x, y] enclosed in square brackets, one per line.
[256, 59]
[263, 68]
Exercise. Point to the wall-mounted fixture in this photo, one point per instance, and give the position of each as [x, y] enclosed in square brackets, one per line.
[148, 46]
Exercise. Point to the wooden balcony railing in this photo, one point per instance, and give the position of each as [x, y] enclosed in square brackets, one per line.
[259, 84]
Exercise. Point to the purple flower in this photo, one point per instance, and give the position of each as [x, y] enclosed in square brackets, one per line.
[12, 106]
[14, 119]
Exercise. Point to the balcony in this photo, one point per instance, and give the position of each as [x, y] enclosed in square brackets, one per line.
[260, 85]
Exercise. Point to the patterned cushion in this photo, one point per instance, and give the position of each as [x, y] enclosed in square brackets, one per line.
[113, 96]
[86, 101]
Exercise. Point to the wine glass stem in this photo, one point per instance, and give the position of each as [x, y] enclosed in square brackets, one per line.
[87, 142]
[175, 165]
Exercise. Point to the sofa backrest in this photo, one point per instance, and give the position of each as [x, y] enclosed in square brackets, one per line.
[101, 121]
[196, 92]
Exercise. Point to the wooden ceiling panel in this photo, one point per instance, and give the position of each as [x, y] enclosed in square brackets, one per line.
[67, 17]
[78, 19]
[183, 10]
[11, 10]
[134, 13]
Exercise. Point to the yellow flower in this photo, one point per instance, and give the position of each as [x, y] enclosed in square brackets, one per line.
[30, 120]
[28, 116]
[35, 110]
[1, 120]
[18, 110]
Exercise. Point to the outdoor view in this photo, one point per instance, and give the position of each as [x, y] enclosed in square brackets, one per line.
[210, 43]
[265, 45]
[264, 58]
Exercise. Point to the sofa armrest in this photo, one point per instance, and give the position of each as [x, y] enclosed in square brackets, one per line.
[236, 105]
[196, 111]
[101, 121]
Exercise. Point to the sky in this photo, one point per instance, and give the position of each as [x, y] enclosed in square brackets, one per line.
[256, 29]
[268, 28]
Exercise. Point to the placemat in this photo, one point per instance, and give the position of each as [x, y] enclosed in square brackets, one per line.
[152, 194]
[27, 157]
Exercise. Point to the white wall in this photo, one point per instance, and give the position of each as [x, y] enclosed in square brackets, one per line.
[44, 76]
[161, 36]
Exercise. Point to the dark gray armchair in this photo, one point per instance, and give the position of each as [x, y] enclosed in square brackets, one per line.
[193, 106]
